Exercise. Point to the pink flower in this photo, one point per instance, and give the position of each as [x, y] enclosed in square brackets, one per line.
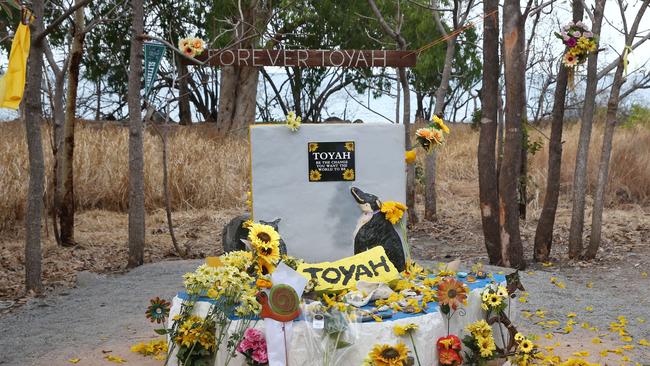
[588, 34]
[577, 34]
[260, 355]
[254, 335]
[246, 345]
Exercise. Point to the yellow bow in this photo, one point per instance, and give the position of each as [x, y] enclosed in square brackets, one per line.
[627, 51]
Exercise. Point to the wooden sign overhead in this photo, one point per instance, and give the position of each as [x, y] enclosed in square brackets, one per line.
[308, 58]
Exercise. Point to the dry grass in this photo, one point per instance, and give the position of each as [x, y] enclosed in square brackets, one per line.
[205, 171]
[209, 172]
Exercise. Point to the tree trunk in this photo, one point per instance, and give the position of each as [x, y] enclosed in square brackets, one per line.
[410, 168]
[582, 155]
[487, 168]
[184, 111]
[33, 119]
[544, 231]
[512, 252]
[608, 136]
[98, 106]
[136, 141]
[430, 200]
[237, 97]
[66, 207]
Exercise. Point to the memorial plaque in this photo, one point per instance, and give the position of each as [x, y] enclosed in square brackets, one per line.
[331, 161]
[319, 218]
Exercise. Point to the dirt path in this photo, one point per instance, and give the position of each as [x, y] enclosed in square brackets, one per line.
[103, 315]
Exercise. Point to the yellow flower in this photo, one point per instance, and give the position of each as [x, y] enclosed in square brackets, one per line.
[260, 234]
[410, 156]
[571, 315]
[644, 342]
[313, 146]
[526, 346]
[393, 211]
[387, 355]
[519, 337]
[406, 329]
[440, 124]
[314, 175]
[263, 283]
[494, 300]
[349, 146]
[348, 174]
[293, 122]
[486, 346]
[581, 354]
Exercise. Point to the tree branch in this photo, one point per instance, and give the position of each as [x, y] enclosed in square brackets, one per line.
[39, 37]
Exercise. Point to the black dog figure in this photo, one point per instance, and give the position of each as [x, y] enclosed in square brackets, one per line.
[373, 229]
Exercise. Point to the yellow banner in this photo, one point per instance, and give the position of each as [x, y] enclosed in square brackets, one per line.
[12, 83]
[371, 266]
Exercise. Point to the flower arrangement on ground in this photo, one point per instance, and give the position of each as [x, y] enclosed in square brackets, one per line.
[494, 299]
[526, 352]
[480, 341]
[232, 282]
[449, 348]
[253, 347]
[192, 46]
[432, 135]
[393, 211]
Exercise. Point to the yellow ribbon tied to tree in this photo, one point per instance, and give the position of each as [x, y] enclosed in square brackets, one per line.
[626, 53]
[12, 83]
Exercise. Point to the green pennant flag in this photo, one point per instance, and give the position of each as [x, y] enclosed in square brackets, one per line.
[153, 54]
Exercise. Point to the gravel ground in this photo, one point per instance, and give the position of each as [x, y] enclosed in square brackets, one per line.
[105, 314]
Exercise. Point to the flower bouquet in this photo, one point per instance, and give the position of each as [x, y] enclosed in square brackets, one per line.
[580, 43]
[449, 348]
[433, 135]
[253, 347]
[192, 46]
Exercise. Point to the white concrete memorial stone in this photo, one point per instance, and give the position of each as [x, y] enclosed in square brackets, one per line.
[311, 192]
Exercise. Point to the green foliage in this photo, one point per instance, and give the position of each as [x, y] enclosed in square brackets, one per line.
[531, 146]
[639, 115]
[476, 119]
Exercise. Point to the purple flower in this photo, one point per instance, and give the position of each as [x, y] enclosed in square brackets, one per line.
[571, 42]
[577, 34]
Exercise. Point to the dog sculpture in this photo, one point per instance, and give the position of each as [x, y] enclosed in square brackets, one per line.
[373, 229]
[234, 232]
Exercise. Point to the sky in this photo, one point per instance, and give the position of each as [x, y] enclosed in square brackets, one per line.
[342, 105]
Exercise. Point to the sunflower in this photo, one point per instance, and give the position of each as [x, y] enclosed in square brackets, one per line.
[314, 175]
[452, 292]
[387, 355]
[526, 346]
[313, 147]
[494, 300]
[264, 268]
[349, 146]
[260, 234]
[348, 174]
[406, 329]
[158, 311]
[189, 51]
[270, 252]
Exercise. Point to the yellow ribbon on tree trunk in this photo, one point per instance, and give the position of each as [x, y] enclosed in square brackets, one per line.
[12, 83]
[626, 53]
